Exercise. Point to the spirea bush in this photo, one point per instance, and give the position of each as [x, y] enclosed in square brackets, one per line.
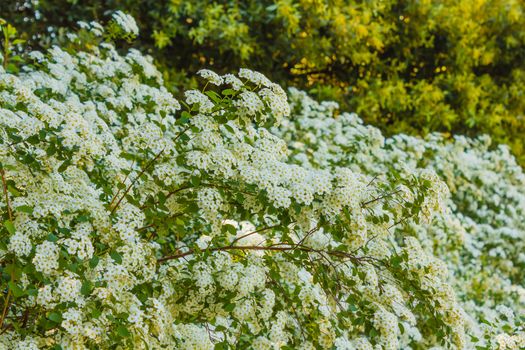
[479, 237]
[236, 218]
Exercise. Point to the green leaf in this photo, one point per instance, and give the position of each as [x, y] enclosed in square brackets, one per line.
[230, 229]
[15, 289]
[372, 333]
[483, 320]
[83, 218]
[117, 257]
[221, 346]
[55, 317]
[52, 238]
[229, 307]
[9, 226]
[229, 128]
[96, 313]
[184, 117]
[64, 165]
[86, 288]
[122, 315]
[25, 209]
[213, 95]
[195, 180]
[123, 331]
[14, 191]
[93, 262]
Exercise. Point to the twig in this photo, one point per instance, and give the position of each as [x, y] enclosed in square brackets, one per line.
[7, 301]
[373, 179]
[308, 234]
[282, 247]
[252, 233]
[123, 182]
[10, 214]
[4, 184]
[364, 204]
[135, 180]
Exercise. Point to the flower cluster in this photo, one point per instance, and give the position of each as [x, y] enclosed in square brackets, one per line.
[126, 23]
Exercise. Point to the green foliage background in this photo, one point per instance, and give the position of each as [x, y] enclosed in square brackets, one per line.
[410, 66]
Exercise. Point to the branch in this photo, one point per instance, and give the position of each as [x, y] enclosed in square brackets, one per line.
[135, 180]
[7, 301]
[252, 233]
[373, 179]
[4, 184]
[308, 234]
[123, 182]
[364, 204]
[278, 247]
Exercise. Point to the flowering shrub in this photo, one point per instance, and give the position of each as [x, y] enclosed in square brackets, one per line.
[233, 218]
[479, 237]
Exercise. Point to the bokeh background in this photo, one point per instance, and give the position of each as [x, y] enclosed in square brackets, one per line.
[452, 66]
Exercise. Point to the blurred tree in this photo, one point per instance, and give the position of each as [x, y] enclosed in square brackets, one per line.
[410, 66]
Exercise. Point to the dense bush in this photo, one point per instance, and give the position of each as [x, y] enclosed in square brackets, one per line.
[481, 235]
[404, 66]
[235, 219]
[130, 224]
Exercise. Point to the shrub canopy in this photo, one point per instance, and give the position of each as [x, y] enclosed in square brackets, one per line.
[234, 218]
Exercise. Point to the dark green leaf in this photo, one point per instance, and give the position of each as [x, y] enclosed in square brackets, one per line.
[55, 317]
[117, 257]
[229, 307]
[86, 289]
[123, 331]
[15, 289]
[9, 226]
[25, 209]
[93, 262]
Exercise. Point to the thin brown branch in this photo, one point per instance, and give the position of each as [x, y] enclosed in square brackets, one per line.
[252, 233]
[123, 182]
[136, 179]
[373, 179]
[400, 221]
[182, 132]
[364, 204]
[6, 194]
[178, 190]
[7, 302]
[308, 234]
[283, 247]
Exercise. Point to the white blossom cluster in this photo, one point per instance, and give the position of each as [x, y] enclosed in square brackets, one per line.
[126, 23]
[131, 221]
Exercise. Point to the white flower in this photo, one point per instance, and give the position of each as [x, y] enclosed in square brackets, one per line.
[197, 97]
[46, 257]
[20, 244]
[126, 23]
[254, 77]
[249, 103]
[235, 82]
[210, 76]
